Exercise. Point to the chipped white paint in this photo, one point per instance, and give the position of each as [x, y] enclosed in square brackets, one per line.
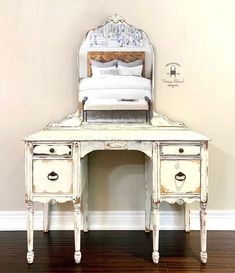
[142, 146]
[115, 145]
[97, 132]
[76, 171]
[52, 150]
[180, 176]
[87, 148]
[84, 196]
[77, 229]
[148, 191]
[72, 120]
[28, 171]
[45, 198]
[203, 232]
[187, 217]
[182, 149]
[159, 120]
[52, 176]
[46, 211]
[204, 172]
[30, 212]
[162, 168]
[155, 216]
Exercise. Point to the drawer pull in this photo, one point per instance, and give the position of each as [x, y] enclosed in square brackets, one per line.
[52, 150]
[180, 177]
[181, 150]
[52, 176]
[115, 145]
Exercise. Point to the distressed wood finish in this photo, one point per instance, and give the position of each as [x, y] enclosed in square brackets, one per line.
[54, 150]
[148, 193]
[181, 150]
[106, 56]
[28, 171]
[77, 233]
[76, 171]
[155, 212]
[30, 212]
[170, 175]
[187, 217]
[181, 176]
[203, 232]
[46, 211]
[52, 176]
[84, 195]
[50, 179]
[142, 146]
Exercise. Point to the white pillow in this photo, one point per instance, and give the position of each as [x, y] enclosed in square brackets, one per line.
[130, 64]
[104, 71]
[104, 64]
[130, 71]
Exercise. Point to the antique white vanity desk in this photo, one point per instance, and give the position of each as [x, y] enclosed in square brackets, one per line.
[176, 158]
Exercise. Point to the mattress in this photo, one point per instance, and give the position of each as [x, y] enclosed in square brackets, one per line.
[118, 87]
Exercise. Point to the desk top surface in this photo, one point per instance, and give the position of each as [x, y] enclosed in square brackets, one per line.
[126, 133]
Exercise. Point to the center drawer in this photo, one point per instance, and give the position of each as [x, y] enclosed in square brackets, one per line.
[52, 176]
[180, 176]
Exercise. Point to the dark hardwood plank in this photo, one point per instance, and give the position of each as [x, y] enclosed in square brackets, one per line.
[117, 251]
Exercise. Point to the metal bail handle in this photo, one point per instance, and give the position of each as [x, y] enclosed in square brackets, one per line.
[180, 177]
[52, 176]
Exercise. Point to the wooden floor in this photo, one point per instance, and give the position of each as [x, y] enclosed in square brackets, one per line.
[117, 251]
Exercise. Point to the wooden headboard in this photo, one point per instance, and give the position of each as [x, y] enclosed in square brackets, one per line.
[106, 56]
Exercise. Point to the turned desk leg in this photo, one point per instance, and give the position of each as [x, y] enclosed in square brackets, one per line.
[148, 195]
[85, 208]
[77, 232]
[187, 217]
[46, 208]
[203, 232]
[30, 212]
[155, 217]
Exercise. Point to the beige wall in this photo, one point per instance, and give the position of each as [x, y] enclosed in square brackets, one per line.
[38, 45]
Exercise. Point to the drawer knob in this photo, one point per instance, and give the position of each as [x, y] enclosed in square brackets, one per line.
[181, 150]
[180, 177]
[52, 150]
[52, 176]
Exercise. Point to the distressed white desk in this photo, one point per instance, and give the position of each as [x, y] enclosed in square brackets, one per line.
[176, 171]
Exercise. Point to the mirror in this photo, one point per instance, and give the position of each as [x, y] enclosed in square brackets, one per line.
[115, 74]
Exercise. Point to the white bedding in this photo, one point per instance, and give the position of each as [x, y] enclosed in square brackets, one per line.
[130, 87]
[115, 93]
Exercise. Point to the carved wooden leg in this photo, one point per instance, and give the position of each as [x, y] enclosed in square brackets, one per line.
[203, 232]
[46, 207]
[30, 212]
[187, 217]
[85, 208]
[155, 213]
[77, 232]
[147, 195]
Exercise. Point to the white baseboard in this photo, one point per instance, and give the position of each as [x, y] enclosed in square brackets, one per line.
[118, 220]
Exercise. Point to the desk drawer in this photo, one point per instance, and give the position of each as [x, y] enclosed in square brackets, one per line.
[47, 149]
[52, 176]
[180, 176]
[180, 149]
